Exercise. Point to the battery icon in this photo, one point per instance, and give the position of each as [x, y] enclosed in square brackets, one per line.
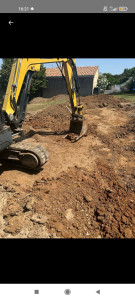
[123, 8]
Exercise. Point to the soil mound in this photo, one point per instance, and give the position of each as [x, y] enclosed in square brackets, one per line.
[86, 189]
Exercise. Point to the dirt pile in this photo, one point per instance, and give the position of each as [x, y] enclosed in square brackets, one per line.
[79, 203]
[86, 189]
[54, 119]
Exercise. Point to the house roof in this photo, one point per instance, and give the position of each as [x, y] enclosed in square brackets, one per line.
[82, 71]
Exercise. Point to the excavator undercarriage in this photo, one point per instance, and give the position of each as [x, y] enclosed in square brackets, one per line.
[27, 155]
[22, 153]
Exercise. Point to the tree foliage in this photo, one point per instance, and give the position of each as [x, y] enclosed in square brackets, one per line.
[5, 73]
[120, 78]
[38, 80]
[103, 82]
[110, 78]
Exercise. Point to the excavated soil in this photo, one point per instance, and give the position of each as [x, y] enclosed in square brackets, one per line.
[86, 189]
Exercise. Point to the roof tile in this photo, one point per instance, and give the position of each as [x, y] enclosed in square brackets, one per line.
[82, 71]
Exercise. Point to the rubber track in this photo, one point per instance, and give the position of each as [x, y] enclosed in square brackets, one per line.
[38, 150]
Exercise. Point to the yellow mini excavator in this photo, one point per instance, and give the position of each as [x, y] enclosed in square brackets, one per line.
[13, 146]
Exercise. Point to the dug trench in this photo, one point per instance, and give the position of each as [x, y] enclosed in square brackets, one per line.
[86, 189]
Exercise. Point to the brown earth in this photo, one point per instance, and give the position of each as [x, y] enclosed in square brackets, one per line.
[86, 189]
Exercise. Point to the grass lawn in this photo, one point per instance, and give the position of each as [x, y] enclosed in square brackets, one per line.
[129, 97]
[32, 107]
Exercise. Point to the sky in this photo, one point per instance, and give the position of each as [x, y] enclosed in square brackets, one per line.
[113, 66]
[107, 65]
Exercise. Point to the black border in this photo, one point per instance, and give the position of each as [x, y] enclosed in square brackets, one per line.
[67, 261]
[62, 260]
[105, 35]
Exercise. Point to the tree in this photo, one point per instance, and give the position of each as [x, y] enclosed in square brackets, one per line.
[5, 73]
[127, 73]
[110, 78]
[38, 80]
[102, 82]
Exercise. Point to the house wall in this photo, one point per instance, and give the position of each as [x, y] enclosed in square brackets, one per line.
[86, 85]
[95, 79]
[57, 85]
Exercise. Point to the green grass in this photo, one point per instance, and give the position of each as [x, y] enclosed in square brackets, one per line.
[32, 107]
[129, 97]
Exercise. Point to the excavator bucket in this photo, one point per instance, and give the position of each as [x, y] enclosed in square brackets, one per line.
[78, 129]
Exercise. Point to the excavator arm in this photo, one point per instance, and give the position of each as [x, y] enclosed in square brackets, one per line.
[15, 104]
[16, 99]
